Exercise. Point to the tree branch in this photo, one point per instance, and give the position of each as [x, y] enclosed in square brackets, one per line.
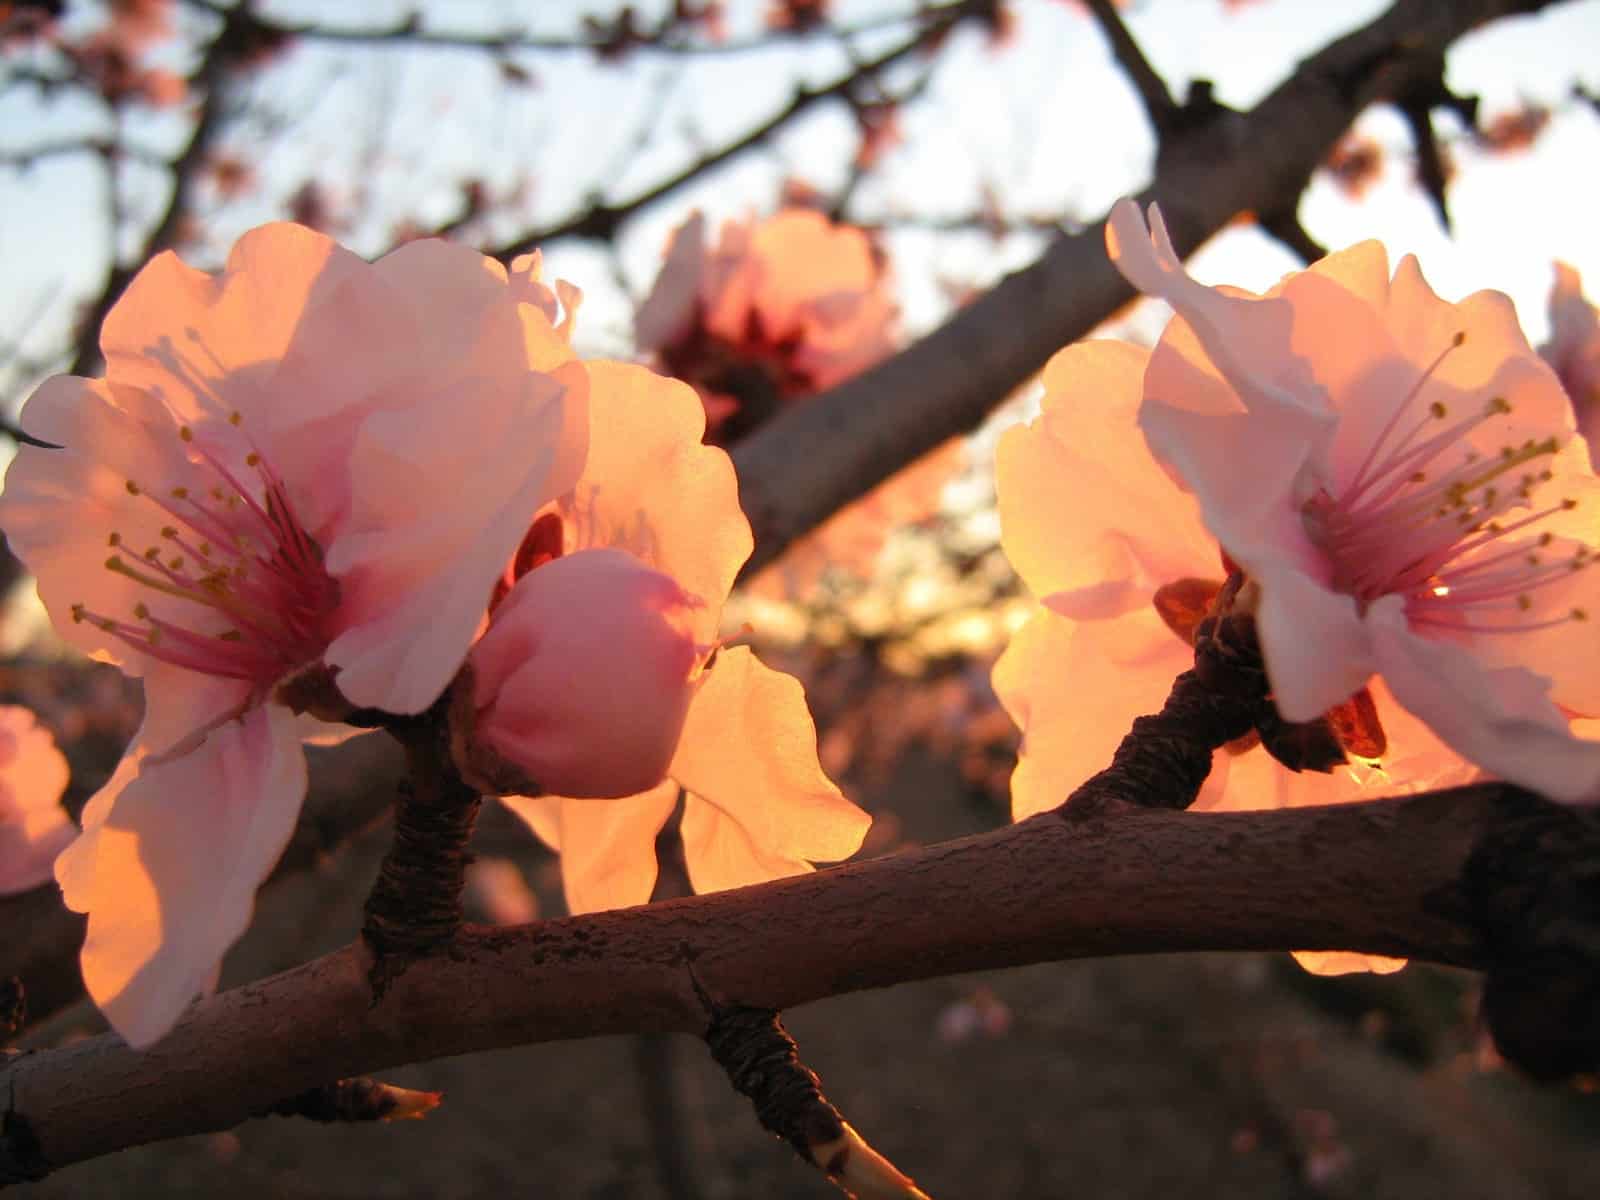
[812, 459]
[1408, 877]
[1166, 116]
[207, 79]
[601, 218]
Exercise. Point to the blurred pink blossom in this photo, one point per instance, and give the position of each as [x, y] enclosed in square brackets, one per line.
[34, 828]
[773, 313]
[1573, 350]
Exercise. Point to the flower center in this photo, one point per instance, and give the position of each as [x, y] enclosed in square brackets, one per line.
[236, 551]
[1422, 519]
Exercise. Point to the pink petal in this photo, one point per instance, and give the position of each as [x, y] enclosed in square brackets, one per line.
[1250, 339]
[232, 327]
[1500, 718]
[720, 853]
[608, 847]
[749, 749]
[1082, 502]
[60, 507]
[438, 511]
[168, 864]
[651, 488]
[34, 828]
[1316, 646]
[1074, 690]
[1253, 513]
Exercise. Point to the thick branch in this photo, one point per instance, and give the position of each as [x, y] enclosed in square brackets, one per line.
[1402, 877]
[814, 458]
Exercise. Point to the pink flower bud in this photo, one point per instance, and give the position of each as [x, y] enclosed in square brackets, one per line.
[583, 678]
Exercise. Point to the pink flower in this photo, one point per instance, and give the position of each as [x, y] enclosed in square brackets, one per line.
[775, 312]
[1573, 350]
[33, 826]
[1399, 477]
[1124, 567]
[757, 804]
[306, 461]
[795, 296]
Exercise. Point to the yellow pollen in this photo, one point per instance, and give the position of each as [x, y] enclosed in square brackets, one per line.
[252, 459]
[204, 548]
[1419, 476]
[77, 614]
[141, 611]
[1568, 505]
[1500, 405]
[169, 531]
[186, 433]
[1523, 602]
[1441, 589]
[1438, 410]
[1580, 614]
[234, 418]
[176, 563]
[1546, 538]
[133, 488]
[115, 539]
[1533, 560]
[180, 493]
[1459, 339]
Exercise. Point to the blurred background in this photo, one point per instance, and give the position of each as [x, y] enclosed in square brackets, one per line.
[862, 168]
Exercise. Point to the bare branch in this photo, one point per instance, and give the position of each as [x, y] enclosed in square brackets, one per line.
[1165, 114]
[601, 218]
[673, 35]
[208, 80]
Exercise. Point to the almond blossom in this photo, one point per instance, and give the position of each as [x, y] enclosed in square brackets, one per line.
[1573, 350]
[777, 311]
[1125, 568]
[34, 828]
[303, 463]
[1399, 476]
[757, 804]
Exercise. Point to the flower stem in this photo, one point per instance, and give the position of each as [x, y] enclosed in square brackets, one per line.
[763, 1063]
[415, 904]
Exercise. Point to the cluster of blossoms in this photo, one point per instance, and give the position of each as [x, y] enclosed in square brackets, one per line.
[771, 314]
[1397, 478]
[262, 491]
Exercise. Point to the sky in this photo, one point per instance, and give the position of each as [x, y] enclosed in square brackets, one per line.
[1044, 124]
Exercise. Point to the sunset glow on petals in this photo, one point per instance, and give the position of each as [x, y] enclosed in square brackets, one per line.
[749, 756]
[1416, 505]
[656, 516]
[169, 886]
[302, 461]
